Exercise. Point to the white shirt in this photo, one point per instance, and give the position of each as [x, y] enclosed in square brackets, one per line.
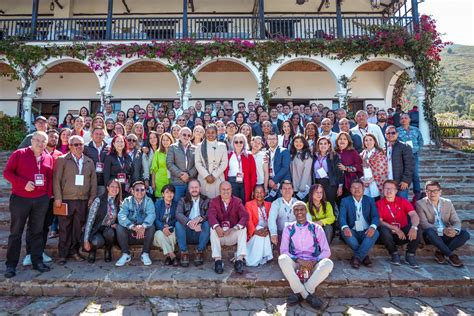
[112, 116]
[195, 209]
[79, 162]
[372, 119]
[370, 128]
[389, 162]
[259, 157]
[331, 135]
[235, 166]
[359, 215]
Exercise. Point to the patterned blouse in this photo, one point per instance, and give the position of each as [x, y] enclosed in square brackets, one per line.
[109, 219]
[377, 161]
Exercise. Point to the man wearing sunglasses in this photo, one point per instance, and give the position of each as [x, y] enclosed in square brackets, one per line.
[136, 224]
[74, 183]
[180, 163]
[401, 163]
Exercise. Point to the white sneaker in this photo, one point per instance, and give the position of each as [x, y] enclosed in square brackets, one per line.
[46, 258]
[27, 261]
[146, 259]
[124, 259]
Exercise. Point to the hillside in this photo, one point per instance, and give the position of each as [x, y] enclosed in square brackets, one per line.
[456, 89]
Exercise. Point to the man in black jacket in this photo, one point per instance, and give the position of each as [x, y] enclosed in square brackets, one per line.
[401, 163]
[191, 223]
[97, 150]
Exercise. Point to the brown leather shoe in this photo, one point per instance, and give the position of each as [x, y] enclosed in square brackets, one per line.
[455, 261]
[185, 259]
[367, 262]
[62, 261]
[198, 258]
[355, 263]
[78, 257]
[439, 257]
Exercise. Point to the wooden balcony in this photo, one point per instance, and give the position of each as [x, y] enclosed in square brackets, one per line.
[194, 27]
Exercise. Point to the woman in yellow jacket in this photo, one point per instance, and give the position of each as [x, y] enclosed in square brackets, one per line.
[321, 210]
[158, 170]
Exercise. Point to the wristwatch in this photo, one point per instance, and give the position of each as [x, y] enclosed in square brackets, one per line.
[415, 227]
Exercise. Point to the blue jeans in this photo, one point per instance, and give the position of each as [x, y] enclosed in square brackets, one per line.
[416, 175]
[403, 194]
[186, 235]
[360, 243]
[180, 191]
[444, 243]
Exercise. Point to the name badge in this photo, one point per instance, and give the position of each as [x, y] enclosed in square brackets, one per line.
[359, 226]
[99, 167]
[273, 193]
[440, 231]
[239, 177]
[121, 177]
[225, 225]
[409, 143]
[39, 180]
[79, 180]
[322, 173]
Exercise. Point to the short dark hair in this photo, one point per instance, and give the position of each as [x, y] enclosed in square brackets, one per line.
[52, 130]
[357, 181]
[168, 187]
[395, 183]
[286, 182]
[433, 184]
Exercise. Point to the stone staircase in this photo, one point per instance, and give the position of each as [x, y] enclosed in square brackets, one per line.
[454, 170]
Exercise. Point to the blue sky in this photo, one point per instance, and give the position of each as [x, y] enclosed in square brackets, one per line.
[455, 18]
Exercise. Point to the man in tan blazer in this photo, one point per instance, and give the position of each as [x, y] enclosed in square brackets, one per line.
[74, 183]
[211, 161]
[441, 225]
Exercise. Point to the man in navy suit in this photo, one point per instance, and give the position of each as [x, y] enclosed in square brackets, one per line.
[359, 218]
[279, 165]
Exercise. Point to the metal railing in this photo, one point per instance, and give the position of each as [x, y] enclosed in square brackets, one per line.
[198, 27]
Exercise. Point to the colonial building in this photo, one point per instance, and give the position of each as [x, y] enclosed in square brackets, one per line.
[69, 83]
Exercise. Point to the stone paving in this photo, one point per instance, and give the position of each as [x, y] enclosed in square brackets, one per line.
[231, 306]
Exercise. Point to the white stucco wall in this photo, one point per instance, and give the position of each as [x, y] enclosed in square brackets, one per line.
[304, 85]
[71, 85]
[145, 85]
[71, 105]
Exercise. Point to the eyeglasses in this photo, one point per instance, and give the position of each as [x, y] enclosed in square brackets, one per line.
[238, 142]
[132, 140]
[228, 109]
[77, 145]
[433, 191]
[141, 113]
[180, 120]
[139, 190]
[186, 135]
[390, 133]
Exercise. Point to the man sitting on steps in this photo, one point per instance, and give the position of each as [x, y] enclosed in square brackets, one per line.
[441, 225]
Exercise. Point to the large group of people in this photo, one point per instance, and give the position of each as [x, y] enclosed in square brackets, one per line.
[292, 177]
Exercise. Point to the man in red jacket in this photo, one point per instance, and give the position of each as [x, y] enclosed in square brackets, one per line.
[228, 219]
[30, 171]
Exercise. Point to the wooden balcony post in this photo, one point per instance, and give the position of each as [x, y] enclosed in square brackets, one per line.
[338, 19]
[261, 18]
[110, 9]
[185, 18]
[34, 19]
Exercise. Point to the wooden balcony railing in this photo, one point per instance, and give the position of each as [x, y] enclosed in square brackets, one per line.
[197, 27]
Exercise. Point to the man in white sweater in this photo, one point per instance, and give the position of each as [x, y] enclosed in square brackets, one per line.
[363, 127]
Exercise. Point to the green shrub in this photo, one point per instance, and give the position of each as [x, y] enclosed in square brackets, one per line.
[12, 132]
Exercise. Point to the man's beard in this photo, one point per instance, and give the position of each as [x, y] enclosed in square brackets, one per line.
[382, 120]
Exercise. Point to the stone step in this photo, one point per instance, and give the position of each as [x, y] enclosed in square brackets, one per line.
[105, 280]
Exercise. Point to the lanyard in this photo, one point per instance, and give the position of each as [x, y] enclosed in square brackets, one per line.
[389, 153]
[287, 207]
[166, 216]
[121, 161]
[437, 211]
[39, 161]
[262, 212]
[239, 160]
[364, 130]
[390, 210]
[320, 161]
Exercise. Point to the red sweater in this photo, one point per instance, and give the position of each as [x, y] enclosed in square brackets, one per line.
[22, 167]
[250, 173]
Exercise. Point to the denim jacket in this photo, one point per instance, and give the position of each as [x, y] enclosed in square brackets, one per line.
[133, 214]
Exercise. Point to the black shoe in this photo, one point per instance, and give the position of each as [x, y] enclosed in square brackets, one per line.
[294, 299]
[239, 266]
[395, 259]
[168, 261]
[219, 267]
[41, 267]
[108, 254]
[315, 302]
[91, 256]
[62, 261]
[411, 260]
[10, 273]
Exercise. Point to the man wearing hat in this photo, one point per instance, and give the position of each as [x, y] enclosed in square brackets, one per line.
[40, 126]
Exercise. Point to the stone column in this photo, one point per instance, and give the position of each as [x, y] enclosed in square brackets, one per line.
[423, 124]
[26, 106]
[184, 98]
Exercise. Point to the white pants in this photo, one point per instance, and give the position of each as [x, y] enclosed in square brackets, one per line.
[238, 237]
[166, 243]
[320, 272]
[259, 251]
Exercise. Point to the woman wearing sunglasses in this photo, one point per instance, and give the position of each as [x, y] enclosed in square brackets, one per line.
[241, 170]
